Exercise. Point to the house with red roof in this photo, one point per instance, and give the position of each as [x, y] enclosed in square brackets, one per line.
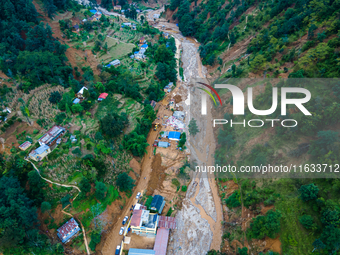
[102, 96]
[68, 230]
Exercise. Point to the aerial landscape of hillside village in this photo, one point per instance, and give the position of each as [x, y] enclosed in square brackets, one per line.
[111, 130]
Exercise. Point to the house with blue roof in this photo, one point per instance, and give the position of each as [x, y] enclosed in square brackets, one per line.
[174, 135]
[39, 153]
[145, 46]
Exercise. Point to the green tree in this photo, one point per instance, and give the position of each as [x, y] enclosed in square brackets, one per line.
[193, 128]
[84, 186]
[268, 225]
[309, 192]
[307, 221]
[113, 124]
[55, 97]
[77, 108]
[135, 143]
[125, 182]
[100, 191]
[13, 224]
[95, 239]
[243, 251]
[182, 141]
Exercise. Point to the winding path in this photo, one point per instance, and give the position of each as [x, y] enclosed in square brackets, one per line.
[63, 211]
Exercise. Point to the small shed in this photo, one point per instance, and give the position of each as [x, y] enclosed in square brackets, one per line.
[76, 101]
[174, 135]
[25, 145]
[163, 144]
[142, 40]
[153, 103]
[102, 96]
[115, 62]
[76, 28]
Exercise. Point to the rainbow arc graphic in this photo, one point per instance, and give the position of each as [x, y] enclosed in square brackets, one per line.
[209, 93]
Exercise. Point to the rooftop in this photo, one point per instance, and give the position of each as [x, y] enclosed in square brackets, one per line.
[103, 95]
[51, 134]
[25, 145]
[161, 242]
[136, 218]
[167, 222]
[134, 251]
[69, 229]
[40, 149]
[174, 135]
[81, 91]
[157, 201]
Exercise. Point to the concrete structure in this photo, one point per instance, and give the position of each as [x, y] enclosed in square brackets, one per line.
[156, 16]
[144, 223]
[175, 136]
[161, 242]
[52, 135]
[117, 7]
[127, 24]
[158, 202]
[25, 145]
[68, 230]
[39, 153]
[134, 251]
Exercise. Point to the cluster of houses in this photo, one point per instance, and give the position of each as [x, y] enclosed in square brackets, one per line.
[119, 8]
[95, 17]
[143, 46]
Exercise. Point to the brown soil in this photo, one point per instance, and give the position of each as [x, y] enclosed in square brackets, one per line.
[158, 175]
[265, 209]
[177, 99]
[273, 244]
[135, 165]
